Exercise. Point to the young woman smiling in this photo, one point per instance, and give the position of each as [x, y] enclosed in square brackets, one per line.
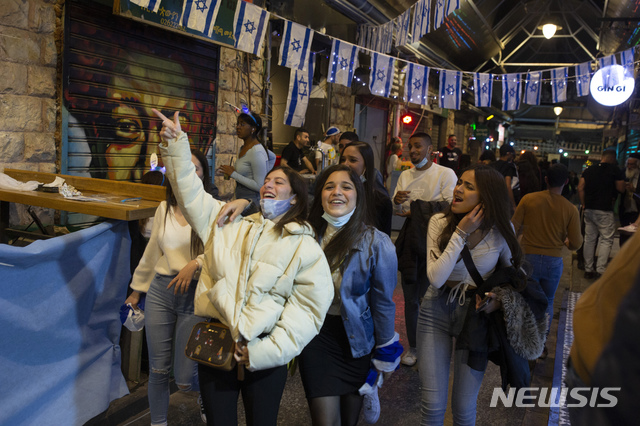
[335, 365]
[479, 218]
[264, 276]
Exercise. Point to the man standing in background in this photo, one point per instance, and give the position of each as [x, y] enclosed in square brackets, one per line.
[630, 204]
[450, 155]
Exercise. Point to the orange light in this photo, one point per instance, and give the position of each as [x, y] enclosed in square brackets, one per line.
[407, 119]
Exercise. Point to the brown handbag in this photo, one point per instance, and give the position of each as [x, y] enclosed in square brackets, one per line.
[211, 344]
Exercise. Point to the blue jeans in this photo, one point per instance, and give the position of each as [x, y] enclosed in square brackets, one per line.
[169, 320]
[598, 223]
[438, 323]
[547, 270]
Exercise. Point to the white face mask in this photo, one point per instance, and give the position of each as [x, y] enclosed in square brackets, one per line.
[338, 222]
[422, 162]
[273, 208]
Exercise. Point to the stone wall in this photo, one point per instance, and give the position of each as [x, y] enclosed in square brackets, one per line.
[28, 88]
[342, 107]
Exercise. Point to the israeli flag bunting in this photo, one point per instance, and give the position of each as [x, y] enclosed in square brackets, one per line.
[627, 57]
[439, 13]
[387, 37]
[421, 16]
[606, 61]
[402, 28]
[153, 5]
[583, 78]
[381, 77]
[296, 46]
[510, 92]
[300, 83]
[559, 84]
[200, 15]
[343, 62]
[482, 89]
[450, 89]
[249, 28]
[416, 84]
[532, 88]
[452, 6]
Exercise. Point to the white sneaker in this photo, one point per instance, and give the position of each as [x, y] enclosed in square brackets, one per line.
[203, 416]
[372, 407]
[410, 357]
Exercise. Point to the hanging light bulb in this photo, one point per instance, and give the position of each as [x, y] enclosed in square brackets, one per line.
[548, 30]
[557, 110]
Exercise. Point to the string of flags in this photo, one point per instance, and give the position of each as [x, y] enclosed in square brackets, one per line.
[250, 28]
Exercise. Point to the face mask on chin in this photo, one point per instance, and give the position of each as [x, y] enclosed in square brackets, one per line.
[338, 222]
[422, 162]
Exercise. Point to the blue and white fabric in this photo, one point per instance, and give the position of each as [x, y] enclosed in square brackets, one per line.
[342, 62]
[402, 28]
[386, 37]
[300, 83]
[296, 46]
[532, 88]
[452, 6]
[559, 84]
[152, 5]
[450, 89]
[250, 27]
[416, 84]
[583, 78]
[200, 15]
[385, 359]
[627, 60]
[439, 13]
[510, 92]
[421, 16]
[606, 61]
[482, 89]
[381, 76]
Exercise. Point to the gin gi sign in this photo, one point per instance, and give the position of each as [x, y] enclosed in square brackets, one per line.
[612, 85]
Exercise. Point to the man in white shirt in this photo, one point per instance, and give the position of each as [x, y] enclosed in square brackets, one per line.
[329, 147]
[430, 182]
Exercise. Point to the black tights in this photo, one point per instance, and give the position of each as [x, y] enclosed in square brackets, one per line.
[341, 410]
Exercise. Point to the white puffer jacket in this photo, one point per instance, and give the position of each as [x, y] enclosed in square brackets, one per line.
[254, 279]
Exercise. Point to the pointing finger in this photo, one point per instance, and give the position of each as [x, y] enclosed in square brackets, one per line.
[159, 114]
[176, 121]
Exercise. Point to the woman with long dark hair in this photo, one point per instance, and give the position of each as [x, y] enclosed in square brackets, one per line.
[264, 276]
[253, 161]
[359, 327]
[528, 173]
[479, 218]
[359, 157]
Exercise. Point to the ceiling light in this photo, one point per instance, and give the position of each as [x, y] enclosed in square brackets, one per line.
[557, 110]
[548, 30]
[535, 148]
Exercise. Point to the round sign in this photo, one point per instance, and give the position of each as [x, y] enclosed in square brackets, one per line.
[612, 85]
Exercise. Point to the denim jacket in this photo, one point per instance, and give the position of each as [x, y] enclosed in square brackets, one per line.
[368, 281]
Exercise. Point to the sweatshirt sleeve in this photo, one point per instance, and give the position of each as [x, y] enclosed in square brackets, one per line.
[258, 161]
[439, 268]
[384, 277]
[199, 208]
[573, 230]
[145, 271]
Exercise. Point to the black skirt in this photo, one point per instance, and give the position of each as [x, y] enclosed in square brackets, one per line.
[327, 367]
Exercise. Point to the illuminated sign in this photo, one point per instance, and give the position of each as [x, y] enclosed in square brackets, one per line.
[612, 85]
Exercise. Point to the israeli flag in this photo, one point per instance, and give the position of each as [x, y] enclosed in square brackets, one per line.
[627, 57]
[343, 62]
[452, 6]
[482, 89]
[200, 15]
[300, 83]
[532, 88]
[607, 61]
[381, 77]
[296, 45]
[559, 84]
[416, 84]
[249, 28]
[421, 16]
[152, 5]
[450, 89]
[402, 28]
[439, 13]
[387, 37]
[510, 92]
[583, 78]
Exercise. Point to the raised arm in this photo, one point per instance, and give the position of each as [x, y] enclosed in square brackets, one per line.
[440, 265]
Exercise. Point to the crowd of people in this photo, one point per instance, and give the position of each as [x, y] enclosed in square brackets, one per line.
[313, 280]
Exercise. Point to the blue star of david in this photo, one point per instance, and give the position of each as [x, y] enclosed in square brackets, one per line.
[295, 45]
[512, 92]
[440, 3]
[450, 89]
[344, 63]
[302, 88]
[417, 84]
[485, 88]
[380, 75]
[249, 27]
[584, 79]
[533, 88]
[201, 5]
[560, 84]
[425, 11]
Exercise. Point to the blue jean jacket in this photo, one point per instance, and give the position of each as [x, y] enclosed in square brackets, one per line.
[368, 281]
